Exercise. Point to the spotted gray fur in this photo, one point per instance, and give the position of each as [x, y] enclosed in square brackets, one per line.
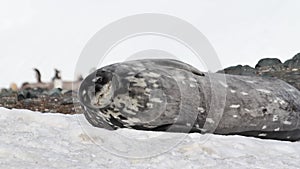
[152, 94]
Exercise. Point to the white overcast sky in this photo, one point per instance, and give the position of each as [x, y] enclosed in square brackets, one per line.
[50, 34]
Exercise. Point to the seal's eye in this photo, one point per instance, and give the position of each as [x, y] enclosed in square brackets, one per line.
[97, 79]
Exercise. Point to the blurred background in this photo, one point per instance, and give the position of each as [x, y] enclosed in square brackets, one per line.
[51, 34]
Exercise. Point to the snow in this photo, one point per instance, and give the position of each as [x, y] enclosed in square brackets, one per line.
[36, 140]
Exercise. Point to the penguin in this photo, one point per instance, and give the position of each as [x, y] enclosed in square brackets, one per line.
[57, 80]
[38, 83]
[37, 75]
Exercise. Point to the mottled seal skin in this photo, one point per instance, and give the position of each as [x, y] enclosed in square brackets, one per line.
[169, 95]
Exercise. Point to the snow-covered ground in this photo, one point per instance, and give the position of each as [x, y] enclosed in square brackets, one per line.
[35, 140]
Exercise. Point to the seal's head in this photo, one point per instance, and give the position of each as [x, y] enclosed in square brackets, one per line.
[140, 94]
[96, 91]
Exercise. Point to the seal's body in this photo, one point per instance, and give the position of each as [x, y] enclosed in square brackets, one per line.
[169, 95]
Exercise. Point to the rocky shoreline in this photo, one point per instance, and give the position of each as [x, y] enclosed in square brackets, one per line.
[41, 100]
[288, 71]
[66, 102]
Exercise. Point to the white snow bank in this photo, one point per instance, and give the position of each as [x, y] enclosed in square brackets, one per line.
[35, 140]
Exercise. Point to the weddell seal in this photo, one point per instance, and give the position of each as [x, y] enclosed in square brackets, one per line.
[169, 95]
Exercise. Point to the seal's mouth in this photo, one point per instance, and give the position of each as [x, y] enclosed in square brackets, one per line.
[96, 90]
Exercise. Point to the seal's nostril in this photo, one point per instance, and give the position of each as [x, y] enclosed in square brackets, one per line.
[98, 87]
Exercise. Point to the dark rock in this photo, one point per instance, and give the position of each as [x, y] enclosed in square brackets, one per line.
[6, 92]
[21, 96]
[297, 57]
[293, 63]
[27, 102]
[69, 93]
[31, 95]
[67, 101]
[268, 62]
[55, 92]
[42, 100]
[240, 70]
[270, 67]
[27, 94]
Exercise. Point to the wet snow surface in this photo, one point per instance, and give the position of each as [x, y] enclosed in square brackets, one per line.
[35, 140]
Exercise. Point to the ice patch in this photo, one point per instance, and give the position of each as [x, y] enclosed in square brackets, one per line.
[235, 106]
[264, 91]
[44, 140]
[244, 93]
[223, 83]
